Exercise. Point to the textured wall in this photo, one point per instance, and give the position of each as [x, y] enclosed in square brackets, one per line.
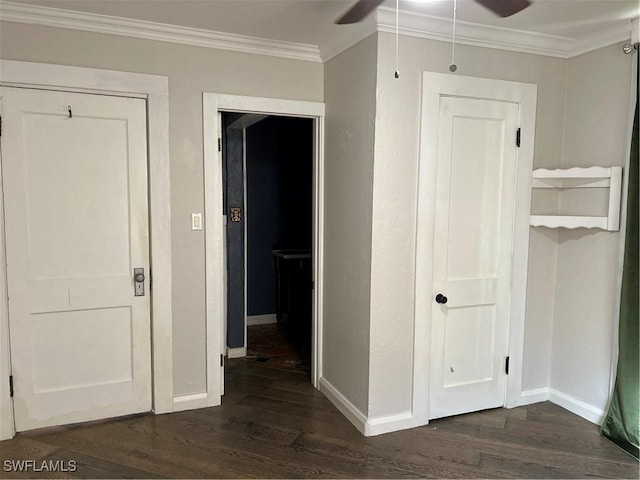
[191, 71]
[596, 132]
[395, 204]
[350, 97]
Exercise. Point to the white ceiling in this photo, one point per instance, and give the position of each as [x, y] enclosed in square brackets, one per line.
[311, 21]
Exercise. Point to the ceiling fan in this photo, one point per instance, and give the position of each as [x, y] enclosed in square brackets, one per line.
[503, 8]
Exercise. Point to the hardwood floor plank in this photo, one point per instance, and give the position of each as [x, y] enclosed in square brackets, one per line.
[307, 424]
[516, 468]
[134, 453]
[269, 404]
[547, 412]
[274, 424]
[393, 463]
[235, 450]
[504, 446]
[231, 451]
[569, 439]
[198, 420]
[90, 466]
[25, 447]
[297, 401]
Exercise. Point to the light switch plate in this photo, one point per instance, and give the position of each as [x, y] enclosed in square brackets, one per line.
[196, 221]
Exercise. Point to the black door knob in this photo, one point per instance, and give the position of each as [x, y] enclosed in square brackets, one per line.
[440, 298]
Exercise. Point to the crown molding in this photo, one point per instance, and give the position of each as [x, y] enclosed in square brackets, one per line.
[91, 22]
[437, 28]
[619, 32]
[347, 36]
[411, 24]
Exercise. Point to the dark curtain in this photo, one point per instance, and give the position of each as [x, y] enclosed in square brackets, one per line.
[622, 422]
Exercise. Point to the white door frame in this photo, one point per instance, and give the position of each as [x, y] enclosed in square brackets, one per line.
[435, 85]
[155, 89]
[213, 105]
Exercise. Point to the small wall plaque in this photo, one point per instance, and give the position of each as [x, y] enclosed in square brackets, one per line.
[235, 214]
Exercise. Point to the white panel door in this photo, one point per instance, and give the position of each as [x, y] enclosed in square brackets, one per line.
[475, 204]
[75, 196]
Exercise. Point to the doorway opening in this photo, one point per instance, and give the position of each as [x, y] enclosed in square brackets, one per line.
[268, 202]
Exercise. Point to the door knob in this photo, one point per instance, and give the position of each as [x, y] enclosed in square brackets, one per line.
[440, 298]
[138, 282]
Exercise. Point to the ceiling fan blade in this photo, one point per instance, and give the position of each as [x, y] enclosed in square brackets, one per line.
[505, 8]
[360, 10]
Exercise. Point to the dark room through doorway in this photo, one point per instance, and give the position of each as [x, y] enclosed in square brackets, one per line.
[268, 204]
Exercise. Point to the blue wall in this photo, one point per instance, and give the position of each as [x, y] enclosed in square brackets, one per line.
[232, 166]
[279, 201]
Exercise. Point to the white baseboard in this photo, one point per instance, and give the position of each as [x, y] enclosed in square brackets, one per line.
[237, 352]
[580, 408]
[404, 420]
[190, 402]
[261, 319]
[392, 423]
[373, 426]
[536, 395]
[347, 408]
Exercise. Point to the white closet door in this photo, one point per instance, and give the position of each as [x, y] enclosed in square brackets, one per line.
[75, 187]
[475, 204]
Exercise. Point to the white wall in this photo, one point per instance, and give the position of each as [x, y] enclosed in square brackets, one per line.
[350, 98]
[372, 123]
[191, 71]
[583, 117]
[394, 206]
[597, 115]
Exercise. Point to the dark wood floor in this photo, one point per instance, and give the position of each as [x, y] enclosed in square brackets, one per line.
[273, 424]
[277, 347]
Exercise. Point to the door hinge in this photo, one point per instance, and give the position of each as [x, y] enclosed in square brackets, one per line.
[506, 366]
[11, 385]
[313, 285]
[219, 144]
[0, 125]
[150, 280]
[518, 137]
[222, 359]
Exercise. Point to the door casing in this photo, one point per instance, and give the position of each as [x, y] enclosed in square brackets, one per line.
[155, 89]
[435, 85]
[213, 105]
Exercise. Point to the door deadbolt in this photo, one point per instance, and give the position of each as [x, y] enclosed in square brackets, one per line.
[138, 282]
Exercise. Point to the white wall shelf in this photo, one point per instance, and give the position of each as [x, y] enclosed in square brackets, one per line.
[590, 177]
